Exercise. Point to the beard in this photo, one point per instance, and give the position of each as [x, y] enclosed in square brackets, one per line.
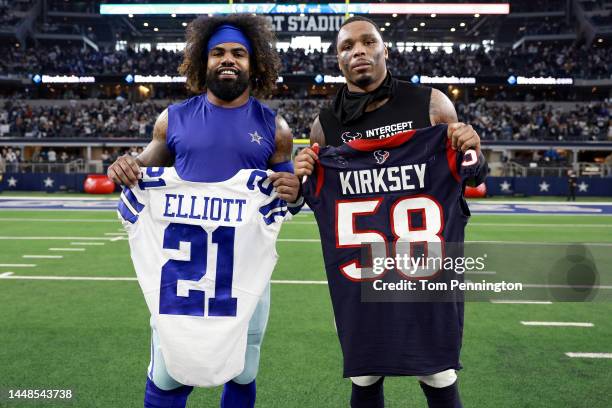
[227, 89]
[364, 81]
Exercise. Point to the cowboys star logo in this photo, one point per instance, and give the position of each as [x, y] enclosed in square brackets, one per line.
[381, 156]
[348, 137]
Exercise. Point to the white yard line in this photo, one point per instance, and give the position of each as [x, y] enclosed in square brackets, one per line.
[87, 243]
[497, 224]
[119, 278]
[502, 224]
[5, 274]
[481, 272]
[589, 355]
[523, 202]
[11, 238]
[43, 256]
[528, 243]
[296, 282]
[55, 238]
[37, 209]
[118, 238]
[299, 282]
[68, 278]
[557, 324]
[17, 265]
[535, 285]
[43, 198]
[68, 249]
[57, 220]
[115, 233]
[298, 240]
[522, 302]
[531, 243]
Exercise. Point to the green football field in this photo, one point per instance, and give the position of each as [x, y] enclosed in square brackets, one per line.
[92, 336]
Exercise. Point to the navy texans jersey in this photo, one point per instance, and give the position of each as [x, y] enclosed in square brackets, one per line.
[389, 197]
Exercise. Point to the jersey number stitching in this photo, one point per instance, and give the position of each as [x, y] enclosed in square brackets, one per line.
[407, 236]
[223, 304]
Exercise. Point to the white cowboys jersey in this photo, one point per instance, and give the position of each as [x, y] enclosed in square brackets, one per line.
[203, 254]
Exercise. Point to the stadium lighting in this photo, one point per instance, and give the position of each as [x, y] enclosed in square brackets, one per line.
[394, 15]
[462, 24]
[130, 15]
[319, 8]
[156, 29]
[453, 29]
[184, 24]
[422, 24]
[415, 29]
[145, 24]
[387, 24]
[382, 29]
[600, 40]
[173, 14]
[476, 15]
[433, 15]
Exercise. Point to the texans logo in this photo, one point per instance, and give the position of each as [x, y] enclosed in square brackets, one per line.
[381, 156]
[348, 137]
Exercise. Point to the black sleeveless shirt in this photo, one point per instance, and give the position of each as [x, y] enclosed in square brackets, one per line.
[407, 109]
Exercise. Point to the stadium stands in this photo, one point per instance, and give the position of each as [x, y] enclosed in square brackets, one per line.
[542, 60]
[494, 121]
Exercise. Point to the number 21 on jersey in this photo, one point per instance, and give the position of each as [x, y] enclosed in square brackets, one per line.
[223, 304]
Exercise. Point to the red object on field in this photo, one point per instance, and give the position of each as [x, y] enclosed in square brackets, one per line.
[98, 184]
[479, 191]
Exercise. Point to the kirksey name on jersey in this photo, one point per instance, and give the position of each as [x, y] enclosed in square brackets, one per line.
[388, 197]
[396, 178]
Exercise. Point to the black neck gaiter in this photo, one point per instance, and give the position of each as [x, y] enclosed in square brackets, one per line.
[350, 106]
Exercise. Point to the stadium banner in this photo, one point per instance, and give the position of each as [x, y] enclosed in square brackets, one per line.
[319, 79]
[49, 182]
[496, 186]
[322, 8]
[547, 186]
[304, 23]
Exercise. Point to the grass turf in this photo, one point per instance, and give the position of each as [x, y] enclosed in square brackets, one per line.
[92, 337]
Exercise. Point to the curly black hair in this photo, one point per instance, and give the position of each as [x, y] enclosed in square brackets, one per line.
[264, 60]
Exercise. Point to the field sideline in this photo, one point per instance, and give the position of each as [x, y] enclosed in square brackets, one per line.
[92, 336]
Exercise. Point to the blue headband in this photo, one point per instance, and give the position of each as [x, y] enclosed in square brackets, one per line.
[228, 34]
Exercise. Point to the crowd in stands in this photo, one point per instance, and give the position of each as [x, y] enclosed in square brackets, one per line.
[546, 26]
[534, 122]
[532, 59]
[299, 114]
[7, 17]
[122, 119]
[76, 60]
[101, 119]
